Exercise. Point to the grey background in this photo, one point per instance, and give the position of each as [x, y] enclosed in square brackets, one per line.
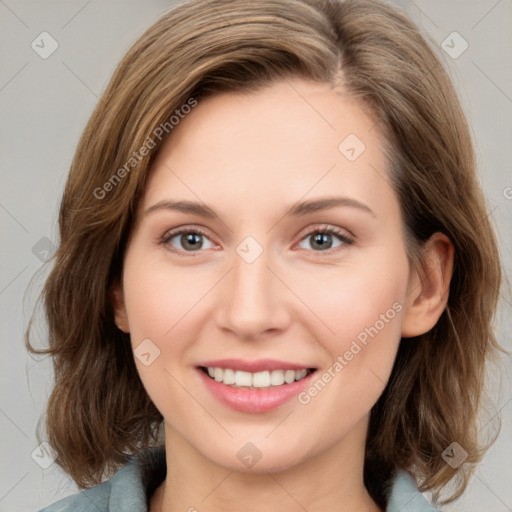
[44, 105]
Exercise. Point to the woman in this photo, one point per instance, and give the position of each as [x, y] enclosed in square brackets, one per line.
[275, 252]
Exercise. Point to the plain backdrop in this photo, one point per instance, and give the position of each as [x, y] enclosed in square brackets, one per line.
[44, 105]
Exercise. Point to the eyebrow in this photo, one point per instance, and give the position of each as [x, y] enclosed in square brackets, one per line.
[297, 210]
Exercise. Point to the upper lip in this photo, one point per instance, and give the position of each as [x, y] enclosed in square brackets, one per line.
[258, 365]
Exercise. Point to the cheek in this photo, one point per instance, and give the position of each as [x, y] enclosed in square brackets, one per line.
[160, 302]
[159, 295]
[363, 309]
[370, 313]
[352, 299]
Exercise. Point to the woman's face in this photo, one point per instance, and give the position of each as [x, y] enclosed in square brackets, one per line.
[292, 257]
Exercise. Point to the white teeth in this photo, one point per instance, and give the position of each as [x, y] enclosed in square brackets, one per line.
[229, 376]
[243, 378]
[300, 374]
[218, 374]
[276, 377]
[289, 376]
[263, 379]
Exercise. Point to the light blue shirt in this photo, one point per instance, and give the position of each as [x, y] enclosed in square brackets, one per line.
[127, 490]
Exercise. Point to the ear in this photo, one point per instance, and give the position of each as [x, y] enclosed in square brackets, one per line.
[429, 287]
[120, 316]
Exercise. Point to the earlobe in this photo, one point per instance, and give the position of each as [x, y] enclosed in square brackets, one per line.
[429, 289]
[120, 316]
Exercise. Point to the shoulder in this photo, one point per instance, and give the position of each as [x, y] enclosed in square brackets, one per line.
[94, 499]
[128, 490]
[405, 496]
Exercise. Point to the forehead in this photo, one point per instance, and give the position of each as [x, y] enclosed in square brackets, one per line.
[261, 149]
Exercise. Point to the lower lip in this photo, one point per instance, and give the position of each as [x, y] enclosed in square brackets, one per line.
[254, 400]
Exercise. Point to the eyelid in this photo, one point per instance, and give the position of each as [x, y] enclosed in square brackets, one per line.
[170, 233]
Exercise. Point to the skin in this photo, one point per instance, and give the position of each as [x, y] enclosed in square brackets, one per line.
[250, 157]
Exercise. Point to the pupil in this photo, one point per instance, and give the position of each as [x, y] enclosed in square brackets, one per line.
[192, 240]
[323, 240]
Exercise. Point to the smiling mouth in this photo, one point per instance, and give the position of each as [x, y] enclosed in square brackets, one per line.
[255, 380]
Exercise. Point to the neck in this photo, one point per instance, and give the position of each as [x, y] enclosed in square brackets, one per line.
[332, 480]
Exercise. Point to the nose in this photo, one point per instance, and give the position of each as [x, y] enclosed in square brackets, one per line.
[252, 303]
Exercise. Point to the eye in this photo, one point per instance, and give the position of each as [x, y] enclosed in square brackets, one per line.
[322, 239]
[190, 240]
[186, 240]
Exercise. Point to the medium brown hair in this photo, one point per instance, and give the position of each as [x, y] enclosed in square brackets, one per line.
[99, 411]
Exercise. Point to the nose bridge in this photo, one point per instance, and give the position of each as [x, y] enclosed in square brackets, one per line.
[252, 301]
[251, 276]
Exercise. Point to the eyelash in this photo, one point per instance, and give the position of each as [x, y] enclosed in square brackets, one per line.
[343, 237]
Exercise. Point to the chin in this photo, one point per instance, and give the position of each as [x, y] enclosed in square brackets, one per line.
[255, 457]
